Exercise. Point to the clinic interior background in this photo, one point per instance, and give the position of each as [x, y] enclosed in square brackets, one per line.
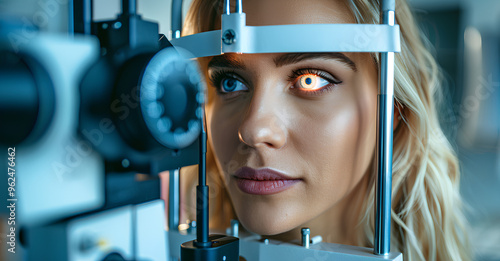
[466, 36]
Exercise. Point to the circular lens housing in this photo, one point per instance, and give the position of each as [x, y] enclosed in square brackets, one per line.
[172, 95]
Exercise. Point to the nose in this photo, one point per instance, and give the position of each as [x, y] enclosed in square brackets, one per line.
[263, 126]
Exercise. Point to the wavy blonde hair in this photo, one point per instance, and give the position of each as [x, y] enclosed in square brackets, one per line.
[427, 218]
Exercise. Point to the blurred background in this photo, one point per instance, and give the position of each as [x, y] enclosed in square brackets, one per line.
[466, 38]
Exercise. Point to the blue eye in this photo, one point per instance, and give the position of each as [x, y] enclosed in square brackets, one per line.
[232, 85]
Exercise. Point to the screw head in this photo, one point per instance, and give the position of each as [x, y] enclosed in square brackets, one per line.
[229, 37]
[125, 163]
[305, 231]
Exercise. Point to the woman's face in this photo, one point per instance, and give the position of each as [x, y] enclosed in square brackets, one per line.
[293, 134]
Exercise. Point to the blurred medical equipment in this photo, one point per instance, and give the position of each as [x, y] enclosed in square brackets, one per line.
[89, 114]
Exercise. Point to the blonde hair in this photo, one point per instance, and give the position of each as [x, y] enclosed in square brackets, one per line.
[427, 218]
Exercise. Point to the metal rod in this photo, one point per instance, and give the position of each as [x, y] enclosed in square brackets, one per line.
[71, 18]
[239, 7]
[129, 7]
[202, 192]
[81, 16]
[173, 200]
[176, 20]
[306, 233]
[202, 175]
[227, 6]
[235, 227]
[385, 117]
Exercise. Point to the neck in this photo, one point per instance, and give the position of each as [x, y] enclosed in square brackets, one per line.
[339, 224]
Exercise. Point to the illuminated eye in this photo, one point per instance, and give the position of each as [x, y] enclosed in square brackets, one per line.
[232, 85]
[312, 82]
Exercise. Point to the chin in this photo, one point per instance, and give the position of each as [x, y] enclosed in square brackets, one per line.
[267, 224]
[265, 229]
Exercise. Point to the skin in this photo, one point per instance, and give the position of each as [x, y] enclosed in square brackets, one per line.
[327, 139]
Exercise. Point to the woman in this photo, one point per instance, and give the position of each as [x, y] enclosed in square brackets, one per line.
[292, 136]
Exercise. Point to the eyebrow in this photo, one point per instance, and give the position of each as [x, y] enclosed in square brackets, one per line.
[232, 61]
[227, 60]
[291, 58]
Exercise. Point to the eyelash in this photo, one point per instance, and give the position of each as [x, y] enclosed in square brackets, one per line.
[218, 76]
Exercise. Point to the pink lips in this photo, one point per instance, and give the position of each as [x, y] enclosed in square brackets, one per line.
[263, 181]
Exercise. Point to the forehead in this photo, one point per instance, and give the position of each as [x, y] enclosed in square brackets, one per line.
[275, 12]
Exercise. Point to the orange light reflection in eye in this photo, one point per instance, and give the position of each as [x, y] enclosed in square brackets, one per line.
[312, 85]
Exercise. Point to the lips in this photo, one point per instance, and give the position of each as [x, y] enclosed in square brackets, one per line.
[263, 181]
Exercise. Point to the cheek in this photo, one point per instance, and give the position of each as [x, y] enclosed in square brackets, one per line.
[338, 142]
[366, 141]
[222, 125]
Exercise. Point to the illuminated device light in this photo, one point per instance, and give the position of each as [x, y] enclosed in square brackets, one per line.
[308, 82]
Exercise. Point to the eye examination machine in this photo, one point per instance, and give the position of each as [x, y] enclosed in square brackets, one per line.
[89, 119]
